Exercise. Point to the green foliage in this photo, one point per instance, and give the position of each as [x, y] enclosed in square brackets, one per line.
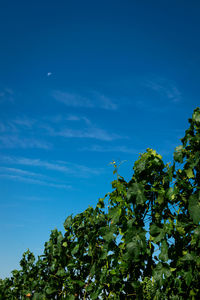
[142, 241]
[148, 288]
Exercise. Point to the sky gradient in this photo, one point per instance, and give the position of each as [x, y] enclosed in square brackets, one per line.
[83, 83]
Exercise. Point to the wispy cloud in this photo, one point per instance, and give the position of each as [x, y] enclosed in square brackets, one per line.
[165, 88]
[14, 141]
[38, 163]
[67, 168]
[88, 130]
[90, 133]
[92, 100]
[2, 127]
[20, 172]
[6, 95]
[73, 100]
[8, 127]
[81, 170]
[34, 181]
[34, 198]
[22, 131]
[104, 101]
[72, 118]
[78, 118]
[61, 119]
[120, 149]
[24, 122]
[22, 175]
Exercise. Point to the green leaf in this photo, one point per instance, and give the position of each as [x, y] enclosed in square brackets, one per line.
[114, 214]
[170, 193]
[61, 273]
[157, 233]
[189, 173]
[108, 237]
[75, 250]
[160, 198]
[50, 290]
[80, 283]
[188, 257]
[136, 191]
[39, 296]
[194, 208]
[196, 116]
[131, 247]
[92, 270]
[164, 251]
[133, 250]
[160, 270]
[180, 230]
[70, 297]
[95, 294]
[154, 230]
[65, 244]
[178, 154]
[68, 222]
[104, 254]
[188, 277]
[100, 203]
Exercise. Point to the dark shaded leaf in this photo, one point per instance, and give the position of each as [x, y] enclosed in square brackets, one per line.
[194, 208]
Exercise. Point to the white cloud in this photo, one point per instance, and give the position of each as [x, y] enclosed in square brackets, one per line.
[6, 95]
[67, 168]
[14, 141]
[34, 198]
[25, 122]
[81, 170]
[90, 133]
[72, 118]
[8, 127]
[22, 132]
[56, 119]
[122, 149]
[41, 163]
[2, 127]
[165, 88]
[104, 101]
[92, 100]
[29, 177]
[34, 181]
[78, 118]
[20, 172]
[73, 100]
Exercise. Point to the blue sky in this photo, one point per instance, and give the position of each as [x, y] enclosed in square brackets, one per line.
[83, 83]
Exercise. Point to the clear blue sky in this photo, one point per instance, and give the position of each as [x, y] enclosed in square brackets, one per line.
[83, 83]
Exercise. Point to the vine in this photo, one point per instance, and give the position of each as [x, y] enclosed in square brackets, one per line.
[144, 245]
